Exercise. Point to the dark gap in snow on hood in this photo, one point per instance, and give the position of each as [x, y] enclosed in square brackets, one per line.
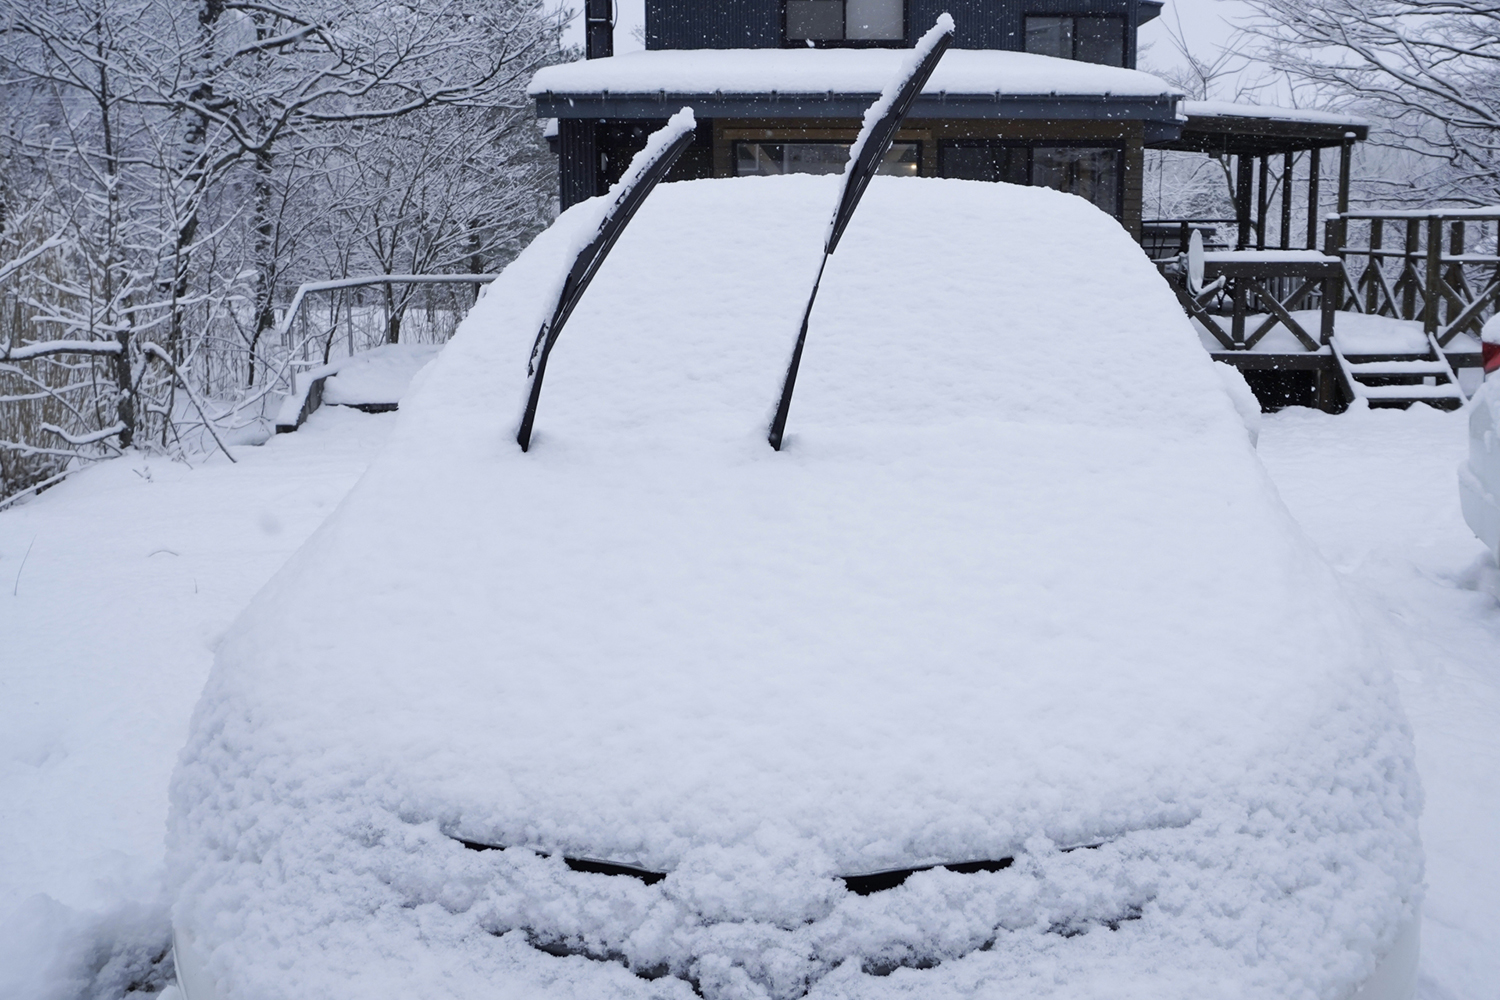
[872, 882]
[861, 885]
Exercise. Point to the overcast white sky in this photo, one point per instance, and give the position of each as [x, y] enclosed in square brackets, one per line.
[1207, 25]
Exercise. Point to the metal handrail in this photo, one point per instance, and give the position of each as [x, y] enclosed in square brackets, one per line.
[340, 284]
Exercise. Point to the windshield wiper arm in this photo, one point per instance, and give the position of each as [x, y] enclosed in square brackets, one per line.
[648, 167]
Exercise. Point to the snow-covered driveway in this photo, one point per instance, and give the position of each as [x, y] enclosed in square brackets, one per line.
[137, 566]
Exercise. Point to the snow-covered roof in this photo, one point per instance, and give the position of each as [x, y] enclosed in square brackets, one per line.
[839, 71]
[1229, 109]
[984, 605]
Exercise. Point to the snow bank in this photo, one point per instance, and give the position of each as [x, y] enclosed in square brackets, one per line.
[987, 603]
[841, 71]
[118, 584]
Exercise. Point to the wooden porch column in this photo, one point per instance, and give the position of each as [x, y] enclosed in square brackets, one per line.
[1288, 161]
[1243, 180]
[1315, 157]
[1262, 202]
[1346, 166]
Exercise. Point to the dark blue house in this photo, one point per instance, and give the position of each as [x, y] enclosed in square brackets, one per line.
[1038, 92]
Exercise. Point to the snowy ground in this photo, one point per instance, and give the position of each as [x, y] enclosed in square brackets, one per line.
[106, 635]
[135, 568]
[1376, 491]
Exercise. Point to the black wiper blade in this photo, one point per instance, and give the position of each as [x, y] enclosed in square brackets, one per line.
[864, 885]
[648, 167]
[868, 153]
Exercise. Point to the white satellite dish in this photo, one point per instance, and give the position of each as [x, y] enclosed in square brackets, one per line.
[1195, 262]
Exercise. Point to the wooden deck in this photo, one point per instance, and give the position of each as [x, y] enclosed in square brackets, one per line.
[1357, 321]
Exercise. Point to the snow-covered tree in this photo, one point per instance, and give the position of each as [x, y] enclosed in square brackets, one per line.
[1427, 70]
[204, 157]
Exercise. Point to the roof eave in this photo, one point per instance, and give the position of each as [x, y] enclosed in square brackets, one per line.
[1261, 135]
[1076, 107]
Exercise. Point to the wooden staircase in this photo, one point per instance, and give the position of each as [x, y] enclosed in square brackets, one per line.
[1399, 380]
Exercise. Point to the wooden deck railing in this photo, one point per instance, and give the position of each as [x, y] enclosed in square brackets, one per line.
[1440, 266]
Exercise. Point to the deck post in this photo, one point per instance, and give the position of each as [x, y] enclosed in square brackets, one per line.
[1372, 290]
[1315, 157]
[1332, 291]
[1237, 319]
[1333, 295]
[1346, 165]
[1288, 162]
[1455, 275]
[1409, 269]
[1262, 202]
[1432, 299]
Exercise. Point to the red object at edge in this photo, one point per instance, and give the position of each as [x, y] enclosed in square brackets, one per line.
[1491, 358]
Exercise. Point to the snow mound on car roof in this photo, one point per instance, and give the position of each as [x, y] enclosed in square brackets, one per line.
[1016, 584]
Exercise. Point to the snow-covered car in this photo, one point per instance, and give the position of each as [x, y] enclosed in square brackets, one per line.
[1008, 676]
[1479, 477]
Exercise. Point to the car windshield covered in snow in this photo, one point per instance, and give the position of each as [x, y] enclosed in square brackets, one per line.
[1015, 628]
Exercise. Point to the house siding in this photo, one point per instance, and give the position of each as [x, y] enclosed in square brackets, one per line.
[980, 24]
[718, 24]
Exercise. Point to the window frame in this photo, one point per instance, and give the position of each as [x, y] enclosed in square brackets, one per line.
[847, 43]
[735, 144]
[1073, 35]
[1030, 145]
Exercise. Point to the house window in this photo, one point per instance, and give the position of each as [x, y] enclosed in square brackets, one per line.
[845, 21]
[1087, 39]
[764, 159]
[1092, 172]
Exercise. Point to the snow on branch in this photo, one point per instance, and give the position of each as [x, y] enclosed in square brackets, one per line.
[11, 267]
[82, 439]
[48, 347]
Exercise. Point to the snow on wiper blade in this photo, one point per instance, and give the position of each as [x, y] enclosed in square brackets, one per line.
[589, 865]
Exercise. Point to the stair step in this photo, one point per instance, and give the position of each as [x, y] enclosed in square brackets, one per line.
[1420, 367]
[1445, 391]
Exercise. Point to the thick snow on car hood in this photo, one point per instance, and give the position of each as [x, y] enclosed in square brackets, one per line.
[1017, 583]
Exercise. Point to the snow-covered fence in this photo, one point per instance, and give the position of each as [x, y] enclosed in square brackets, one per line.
[355, 325]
